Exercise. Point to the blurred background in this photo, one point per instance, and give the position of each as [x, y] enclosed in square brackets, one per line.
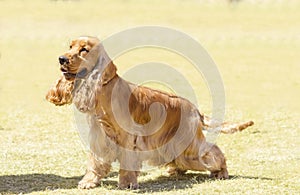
[255, 44]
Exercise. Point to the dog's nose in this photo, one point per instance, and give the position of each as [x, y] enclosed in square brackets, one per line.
[63, 60]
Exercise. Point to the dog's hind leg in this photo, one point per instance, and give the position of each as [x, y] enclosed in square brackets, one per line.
[208, 157]
[214, 160]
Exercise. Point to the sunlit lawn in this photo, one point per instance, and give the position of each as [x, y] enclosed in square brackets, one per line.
[255, 46]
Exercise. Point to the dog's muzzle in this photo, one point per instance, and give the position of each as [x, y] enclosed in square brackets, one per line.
[63, 60]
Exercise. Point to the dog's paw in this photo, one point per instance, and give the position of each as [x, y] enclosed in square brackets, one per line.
[87, 185]
[173, 171]
[128, 180]
[90, 180]
[222, 174]
[131, 186]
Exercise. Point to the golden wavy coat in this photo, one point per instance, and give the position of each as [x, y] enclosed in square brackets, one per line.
[131, 123]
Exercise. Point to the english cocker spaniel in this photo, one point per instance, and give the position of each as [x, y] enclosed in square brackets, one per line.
[131, 123]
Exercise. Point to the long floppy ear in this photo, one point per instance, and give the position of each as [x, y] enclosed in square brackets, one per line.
[85, 96]
[61, 93]
[101, 73]
[105, 65]
[99, 58]
[108, 73]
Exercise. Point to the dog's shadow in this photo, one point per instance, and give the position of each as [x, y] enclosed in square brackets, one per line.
[36, 182]
[165, 183]
[39, 182]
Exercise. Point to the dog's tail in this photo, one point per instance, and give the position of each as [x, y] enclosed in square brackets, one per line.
[226, 127]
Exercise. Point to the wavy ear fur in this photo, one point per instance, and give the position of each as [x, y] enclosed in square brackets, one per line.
[61, 93]
[85, 95]
[108, 73]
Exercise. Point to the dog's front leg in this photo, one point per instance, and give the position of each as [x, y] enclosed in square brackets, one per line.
[96, 170]
[128, 179]
[129, 170]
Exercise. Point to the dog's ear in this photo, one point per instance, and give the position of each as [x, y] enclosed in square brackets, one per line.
[108, 73]
[90, 61]
[98, 57]
[61, 93]
[107, 68]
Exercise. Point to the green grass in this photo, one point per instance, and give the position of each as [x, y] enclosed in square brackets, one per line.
[255, 45]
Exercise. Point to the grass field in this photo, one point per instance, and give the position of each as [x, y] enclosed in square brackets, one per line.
[255, 44]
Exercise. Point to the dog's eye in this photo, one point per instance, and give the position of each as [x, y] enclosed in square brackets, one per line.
[70, 46]
[83, 49]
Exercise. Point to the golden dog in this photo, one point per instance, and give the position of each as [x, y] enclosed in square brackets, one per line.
[131, 123]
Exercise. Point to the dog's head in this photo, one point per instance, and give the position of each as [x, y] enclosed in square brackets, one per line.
[85, 54]
[80, 58]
